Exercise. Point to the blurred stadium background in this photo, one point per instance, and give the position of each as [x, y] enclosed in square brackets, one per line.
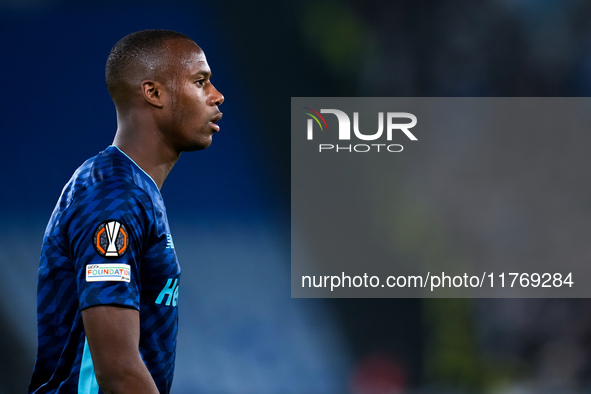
[229, 205]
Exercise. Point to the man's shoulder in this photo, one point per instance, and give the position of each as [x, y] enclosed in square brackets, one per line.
[104, 188]
[109, 169]
[104, 182]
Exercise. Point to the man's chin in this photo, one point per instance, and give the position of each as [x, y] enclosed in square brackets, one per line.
[198, 145]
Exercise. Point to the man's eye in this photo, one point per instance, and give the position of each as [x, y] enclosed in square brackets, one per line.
[201, 82]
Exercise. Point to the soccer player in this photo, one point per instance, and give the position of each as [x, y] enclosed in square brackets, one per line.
[109, 276]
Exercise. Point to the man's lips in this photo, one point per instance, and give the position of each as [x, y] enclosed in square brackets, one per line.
[213, 121]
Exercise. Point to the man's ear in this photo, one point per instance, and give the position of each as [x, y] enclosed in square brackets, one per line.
[153, 92]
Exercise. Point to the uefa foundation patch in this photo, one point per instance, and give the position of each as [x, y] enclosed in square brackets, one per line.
[108, 273]
[111, 239]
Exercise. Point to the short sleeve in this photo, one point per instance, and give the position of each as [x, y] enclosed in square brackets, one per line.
[108, 230]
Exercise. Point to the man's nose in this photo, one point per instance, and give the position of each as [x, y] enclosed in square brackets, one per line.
[216, 98]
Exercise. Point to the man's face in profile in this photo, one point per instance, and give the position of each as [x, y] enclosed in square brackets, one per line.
[193, 100]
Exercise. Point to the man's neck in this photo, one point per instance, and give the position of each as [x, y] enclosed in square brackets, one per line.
[148, 152]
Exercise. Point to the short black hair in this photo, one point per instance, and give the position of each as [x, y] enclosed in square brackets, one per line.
[136, 51]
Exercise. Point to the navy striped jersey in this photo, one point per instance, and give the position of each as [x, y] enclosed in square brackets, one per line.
[107, 243]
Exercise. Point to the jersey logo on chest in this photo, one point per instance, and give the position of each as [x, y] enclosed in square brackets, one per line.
[169, 242]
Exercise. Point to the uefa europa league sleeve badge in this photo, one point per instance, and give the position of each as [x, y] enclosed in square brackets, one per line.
[111, 239]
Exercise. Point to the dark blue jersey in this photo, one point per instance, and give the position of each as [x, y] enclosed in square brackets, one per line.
[107, 243]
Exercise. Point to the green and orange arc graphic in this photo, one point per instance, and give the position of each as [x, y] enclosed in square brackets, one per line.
[316, 118]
